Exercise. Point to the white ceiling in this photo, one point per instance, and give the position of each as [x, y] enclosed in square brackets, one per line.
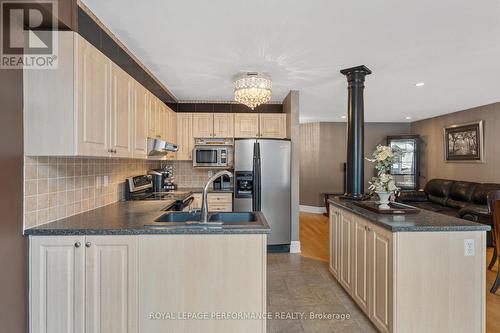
[194, 47]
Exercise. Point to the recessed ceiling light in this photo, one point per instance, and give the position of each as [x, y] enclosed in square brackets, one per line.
[408, 118]
[419, 84]
[343, 117]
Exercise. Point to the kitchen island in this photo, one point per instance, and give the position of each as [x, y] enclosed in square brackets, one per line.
[422, 272]
[115, 269]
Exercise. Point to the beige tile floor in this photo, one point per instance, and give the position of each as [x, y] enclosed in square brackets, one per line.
[296, 284]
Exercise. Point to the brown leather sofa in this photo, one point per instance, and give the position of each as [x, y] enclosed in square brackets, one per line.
[461, 199]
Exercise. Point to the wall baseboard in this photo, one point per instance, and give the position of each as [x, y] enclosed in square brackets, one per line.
[295, 247]
[312, 209]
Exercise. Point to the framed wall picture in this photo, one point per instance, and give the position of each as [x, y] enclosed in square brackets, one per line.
[464, 142]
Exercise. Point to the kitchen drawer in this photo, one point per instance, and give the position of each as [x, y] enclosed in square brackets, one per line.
[220, 208]
[220, 197]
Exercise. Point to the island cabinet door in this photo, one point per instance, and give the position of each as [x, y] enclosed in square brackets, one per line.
[111, 284]
[360, 263]
[334, 241]
[346, 228]
[380, 278]
[57, 284]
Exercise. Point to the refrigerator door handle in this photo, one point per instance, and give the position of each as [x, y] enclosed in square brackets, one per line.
[256, 170]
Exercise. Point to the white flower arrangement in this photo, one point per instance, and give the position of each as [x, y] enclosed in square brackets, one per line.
[383, 182]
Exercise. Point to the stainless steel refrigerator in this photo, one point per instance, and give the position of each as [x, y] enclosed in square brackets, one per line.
[262, 183]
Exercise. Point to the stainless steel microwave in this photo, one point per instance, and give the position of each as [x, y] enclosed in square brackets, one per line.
[213, 156]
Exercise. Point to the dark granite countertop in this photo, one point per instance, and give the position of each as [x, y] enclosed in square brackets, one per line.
[423, 221]
[132, 218]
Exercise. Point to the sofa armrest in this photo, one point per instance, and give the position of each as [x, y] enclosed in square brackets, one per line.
[412, 196]
[475, 210]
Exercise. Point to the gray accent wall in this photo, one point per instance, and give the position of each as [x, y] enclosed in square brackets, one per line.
[291, 108]
[432, 163]
[323, 151]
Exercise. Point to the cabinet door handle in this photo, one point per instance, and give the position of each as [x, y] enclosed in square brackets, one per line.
[77, 244]
[88, 244]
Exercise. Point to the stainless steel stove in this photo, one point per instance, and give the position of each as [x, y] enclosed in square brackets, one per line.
[141, 188]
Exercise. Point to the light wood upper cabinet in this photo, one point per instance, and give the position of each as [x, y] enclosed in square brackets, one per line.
[83, 284]
[223, 125]
[272, 125]
[57, 284]
[97, 111]
[185, 138]
[122, 89]
[111, 284]
[153, 116]
[140, 121]
[162, 121]
[171, 126]
[246, 125]
[93, 95]
[203, 125]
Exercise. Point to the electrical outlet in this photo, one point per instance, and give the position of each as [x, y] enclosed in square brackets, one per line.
[105, 181]
[469, 247]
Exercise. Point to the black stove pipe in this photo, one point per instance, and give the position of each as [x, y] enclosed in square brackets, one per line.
[355, 132]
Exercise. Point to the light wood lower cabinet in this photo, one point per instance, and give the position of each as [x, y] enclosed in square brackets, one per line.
[409, 281]
[346, 257]
[210, 275]
[57, 284]
[217, 202]
[83, 284]
[360, 260]
[335, 243]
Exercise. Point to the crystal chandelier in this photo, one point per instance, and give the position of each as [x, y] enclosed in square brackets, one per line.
[252, 89]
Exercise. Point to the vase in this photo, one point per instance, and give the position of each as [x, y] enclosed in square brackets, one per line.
[384, 199]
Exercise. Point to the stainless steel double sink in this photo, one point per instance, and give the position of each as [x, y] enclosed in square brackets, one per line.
[215, 220]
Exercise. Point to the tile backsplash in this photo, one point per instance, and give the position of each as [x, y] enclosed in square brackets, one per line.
[58, 187]
[188, 176]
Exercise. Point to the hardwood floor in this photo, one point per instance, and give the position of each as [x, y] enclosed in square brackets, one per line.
[314, 242]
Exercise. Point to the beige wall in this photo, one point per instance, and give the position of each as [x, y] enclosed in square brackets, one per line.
[432, 153]
[323, 152]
